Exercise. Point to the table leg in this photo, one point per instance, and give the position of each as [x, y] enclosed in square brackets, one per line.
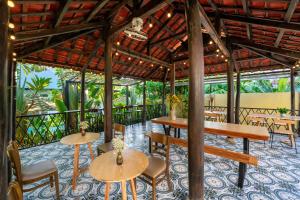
[243, 166]
[76, 163]
[133, 189]
[107, 188]
[124, 192]
[91, 150]
[178, 133]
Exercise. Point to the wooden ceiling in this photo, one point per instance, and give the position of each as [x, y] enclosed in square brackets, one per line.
[263, 35]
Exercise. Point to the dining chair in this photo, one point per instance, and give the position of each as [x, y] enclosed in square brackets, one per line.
[14, 191]
[157, 166]
[284, 127]
[119, 129]
[212, 117]
[256, 121]
[30, 174]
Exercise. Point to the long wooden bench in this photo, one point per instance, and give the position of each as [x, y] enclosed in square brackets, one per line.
[232, 155]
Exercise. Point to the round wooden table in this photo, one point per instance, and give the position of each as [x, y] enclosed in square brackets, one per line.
[104, 168]
[77, 139]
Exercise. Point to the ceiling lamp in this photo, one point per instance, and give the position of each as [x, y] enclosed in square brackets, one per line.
[135, 31]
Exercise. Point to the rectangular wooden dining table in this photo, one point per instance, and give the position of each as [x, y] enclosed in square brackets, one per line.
[245, 132]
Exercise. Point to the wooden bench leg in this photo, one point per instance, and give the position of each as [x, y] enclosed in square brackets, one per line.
[133, 189]
[124, 192]
[76, 163]
[243, 166]
[107, 191]
[91, 151]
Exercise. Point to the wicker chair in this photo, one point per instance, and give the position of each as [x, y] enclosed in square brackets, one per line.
[29, 174]
[119, 129]
[157, 166]
[14, 191]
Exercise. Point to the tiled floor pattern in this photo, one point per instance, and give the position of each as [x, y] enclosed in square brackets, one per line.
[277, 177]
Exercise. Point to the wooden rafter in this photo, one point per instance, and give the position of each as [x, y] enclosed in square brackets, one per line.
[97, 8]
[247, 12]
[247, 43]
[287, 18]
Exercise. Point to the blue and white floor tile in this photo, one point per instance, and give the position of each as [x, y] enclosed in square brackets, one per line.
[276, 177]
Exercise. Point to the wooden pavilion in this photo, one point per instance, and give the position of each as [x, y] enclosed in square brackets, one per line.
[185, 39]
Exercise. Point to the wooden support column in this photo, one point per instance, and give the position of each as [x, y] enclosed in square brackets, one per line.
[230, 92]
[108, 118]
[144, 104]
[196, 102]
[172, 79]
[292, 81]
[237, 97]
[164, 99]
[82, 96]
[127, 95]
[4, 134]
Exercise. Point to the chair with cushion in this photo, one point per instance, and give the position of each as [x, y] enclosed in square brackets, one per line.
[284, 127]
[119, 129]
[29, 174]
[157, 166]
[14, 191]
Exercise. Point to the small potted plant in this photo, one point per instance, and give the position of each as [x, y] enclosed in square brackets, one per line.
[282, 111]
[118, 145]
[173, 102]
[83, 126]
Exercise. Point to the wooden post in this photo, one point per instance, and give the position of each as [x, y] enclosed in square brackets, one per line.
[172, 79]
[292, 81]
[14, 101]
[3, 99]
[196, 102]
[230, 92]
[108, 90]
[127, 95]
[164, 99]
[237, 97]
[144, 104]
[82, 96]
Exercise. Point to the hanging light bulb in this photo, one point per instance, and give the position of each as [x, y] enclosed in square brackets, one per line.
[10, 3]
[129, 58]
[14, 54]
[152, 65]
[14, 59]
[210, 42]
[218, 50]
[116, 53]
[226, 60]
[222, 56]
[141, 61]
[161, 67]
[150, 25]
[217, 55]
[184, 63]
[11, 25]
[12, 37]
[169, 15]
[297, 65]
[118, 43]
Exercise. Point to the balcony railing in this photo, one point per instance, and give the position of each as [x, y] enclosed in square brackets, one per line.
[38, 129]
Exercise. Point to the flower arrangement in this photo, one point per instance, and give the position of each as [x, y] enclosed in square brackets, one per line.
[84, 125]
[173, 100]
[118, 144]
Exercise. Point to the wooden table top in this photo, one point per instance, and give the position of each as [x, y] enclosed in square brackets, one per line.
[217, 128]
[77, 138]
[104, 167]
[288, 117]
[215, 112]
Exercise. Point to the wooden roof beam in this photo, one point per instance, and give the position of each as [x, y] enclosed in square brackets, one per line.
[32, 35]
[262, 22]
[284, 52]
[58, 40]
[247, 12]
[168, 38]
[97, 8]
[288, 16]
[211, 31]
[148, 9]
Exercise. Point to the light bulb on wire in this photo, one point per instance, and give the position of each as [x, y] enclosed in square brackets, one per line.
[11, 25]
[10, 3]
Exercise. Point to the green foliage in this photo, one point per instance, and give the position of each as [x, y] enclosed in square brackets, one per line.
[60, 105]
[282, 110]
[38, 83]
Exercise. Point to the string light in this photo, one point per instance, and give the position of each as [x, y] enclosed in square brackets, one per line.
[169, 15]
[297, 65]
[226, 60]
[14, 59]
[184, 63]
[210, 42]
[217, 55]
[129, 58]
[118, 43]
[218, 50]
[152, 65]
[14, 54]
[116, 53]
[11, 25]
[160, 67]
[10, 3]
[12, 37]
[141, 61]
[222, 56]
[150, 25]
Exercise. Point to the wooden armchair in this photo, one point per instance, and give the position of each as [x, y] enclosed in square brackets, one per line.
[29, 174]
[119, 129]
[14, 191]
[284, 127]
[157, 166]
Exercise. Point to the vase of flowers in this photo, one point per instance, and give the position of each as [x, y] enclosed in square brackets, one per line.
[118, 145]
[173, 101]
[282, 111]
[83, 126]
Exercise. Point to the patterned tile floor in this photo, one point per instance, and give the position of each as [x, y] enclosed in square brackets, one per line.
[277, 177]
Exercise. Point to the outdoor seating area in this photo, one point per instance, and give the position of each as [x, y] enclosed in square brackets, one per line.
[150, 99]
